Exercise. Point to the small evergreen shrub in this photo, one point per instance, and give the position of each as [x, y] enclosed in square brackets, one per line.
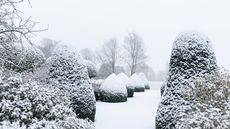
[130, 91]
[126, 80]
[26, 104]
[96, 87]
[113, 90]
[137, 83]
[91, 69]
[209, 103]
[145, 81]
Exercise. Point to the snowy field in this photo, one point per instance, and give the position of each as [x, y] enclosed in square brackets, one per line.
[137, 113]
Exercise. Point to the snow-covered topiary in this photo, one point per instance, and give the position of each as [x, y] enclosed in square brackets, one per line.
[91, 67]
[136, 82]
[145, 80]
[20, 57]
[69, 73]
[96, 87]
[113, 90]
[127, 82]
[192, 56]
[26, 104]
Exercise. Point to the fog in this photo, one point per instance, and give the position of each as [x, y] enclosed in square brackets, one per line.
[88, 23]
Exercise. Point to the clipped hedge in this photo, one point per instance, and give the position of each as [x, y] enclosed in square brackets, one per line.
[127, 81]
[145, 81]
[137, 83]
[113, 90]
[25, 104]
[130, 91]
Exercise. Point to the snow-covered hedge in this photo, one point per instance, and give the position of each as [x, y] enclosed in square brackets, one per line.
[192, 56]
[145, 81]
[113, 90]
[136, 82]
[126, 80]
[91, 67]
[96, 87]
[210, 101]
[20, 57]
[26, 104]
[68, 72]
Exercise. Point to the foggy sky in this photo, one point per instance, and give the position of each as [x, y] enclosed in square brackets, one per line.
[88, 23]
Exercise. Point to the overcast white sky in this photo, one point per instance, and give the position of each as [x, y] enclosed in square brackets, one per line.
[88, 23]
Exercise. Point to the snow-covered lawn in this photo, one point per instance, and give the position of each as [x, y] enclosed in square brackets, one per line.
[137, 113]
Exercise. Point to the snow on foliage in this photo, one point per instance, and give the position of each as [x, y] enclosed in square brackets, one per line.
[91, 67]
[144, 80]
[127, 82]
[20, 56]
[96, 87]
[210, 106]
[136, 82]
[113, 89]
[69, 73]
[192, 56]
[26, 104]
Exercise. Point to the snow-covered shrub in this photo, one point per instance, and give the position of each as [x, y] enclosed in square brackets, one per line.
[192, 56]
[26, 104]
[92, 71]
[20, 57]
[113, 90]
[68, 72]
[96, 87]
[210, 106]
[136, 82]
[145, 81]
[126, 80]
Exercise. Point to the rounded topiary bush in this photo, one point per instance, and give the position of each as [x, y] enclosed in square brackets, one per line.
[96, 87]
[126, 80]
[91, 67]
[113, 90]
[137, 83]
[26, 104]
[145, 81]
[68, 72]
[192, 56]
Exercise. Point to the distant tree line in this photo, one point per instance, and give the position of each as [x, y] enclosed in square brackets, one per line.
[113, 57]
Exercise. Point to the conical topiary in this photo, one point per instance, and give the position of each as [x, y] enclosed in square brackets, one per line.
[126, 80]
[192, 56]
[137, 83]
[113, 90]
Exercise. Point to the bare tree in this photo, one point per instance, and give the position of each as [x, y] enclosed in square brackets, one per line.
[87, 54]
[134, 49]
[15, 32]
[109, 53]
[47, 46]
[13, 25]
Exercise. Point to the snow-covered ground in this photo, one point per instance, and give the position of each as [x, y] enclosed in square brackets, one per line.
[137, 113]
